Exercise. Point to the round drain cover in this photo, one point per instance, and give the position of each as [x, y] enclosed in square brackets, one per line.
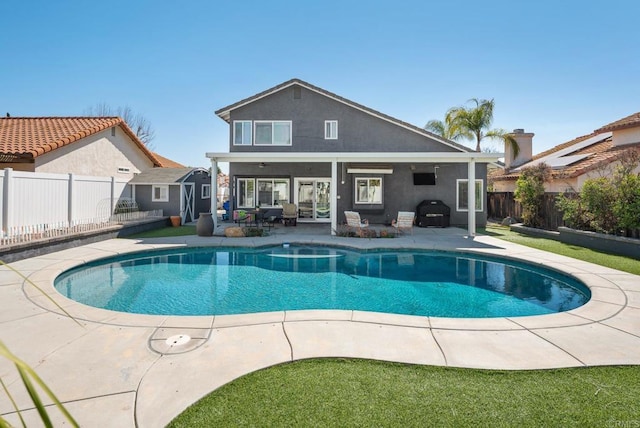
[178, 339]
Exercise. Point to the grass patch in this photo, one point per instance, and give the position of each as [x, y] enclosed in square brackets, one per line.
[165, 232]
[344, 392]
[622, 263]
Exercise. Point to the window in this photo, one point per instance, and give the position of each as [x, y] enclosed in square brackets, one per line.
[272, 192]
[272, 133]
[330, 129]
[246, 193]
[160, 193]
[206, 191]
[242, 133]
[369, 190]
[462, 195]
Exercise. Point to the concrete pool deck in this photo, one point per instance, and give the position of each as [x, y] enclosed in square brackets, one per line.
[119, 370]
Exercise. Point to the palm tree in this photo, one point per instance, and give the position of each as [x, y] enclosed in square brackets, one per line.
[448, 129]
[477, 120]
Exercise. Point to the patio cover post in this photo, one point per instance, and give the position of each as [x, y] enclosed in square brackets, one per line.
[334, 196]
[214, 193]
[471, 197]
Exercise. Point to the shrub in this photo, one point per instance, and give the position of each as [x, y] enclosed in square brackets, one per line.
[530, 193]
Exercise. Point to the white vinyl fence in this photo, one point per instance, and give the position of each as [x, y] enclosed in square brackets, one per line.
[42, 205]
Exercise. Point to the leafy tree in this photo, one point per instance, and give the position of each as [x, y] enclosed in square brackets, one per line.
[137, 122]
[476, 121]
[530, 193]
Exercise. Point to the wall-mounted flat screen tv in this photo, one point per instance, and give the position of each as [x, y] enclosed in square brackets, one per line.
[424, 178]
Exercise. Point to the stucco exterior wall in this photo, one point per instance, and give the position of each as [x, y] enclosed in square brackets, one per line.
[399, 193]
[626, 136]
[98, 155]
[357, 131]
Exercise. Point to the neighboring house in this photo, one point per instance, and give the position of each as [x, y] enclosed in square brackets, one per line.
[94, 146]
[575, 161]
[299, 143]
[184, 192]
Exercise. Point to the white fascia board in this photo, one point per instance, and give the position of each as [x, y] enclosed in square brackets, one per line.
[386, 157]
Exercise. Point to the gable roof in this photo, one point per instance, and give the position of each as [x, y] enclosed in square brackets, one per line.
[164, 175]
[29, 137]
[225, 112]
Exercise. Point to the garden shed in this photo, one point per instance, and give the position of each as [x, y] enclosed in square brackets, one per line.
[183, 192]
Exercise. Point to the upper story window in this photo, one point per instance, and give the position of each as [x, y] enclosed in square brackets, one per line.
[330, 129]
[242, 133]
[272, 133]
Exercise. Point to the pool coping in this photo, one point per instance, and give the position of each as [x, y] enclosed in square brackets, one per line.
[605, 331]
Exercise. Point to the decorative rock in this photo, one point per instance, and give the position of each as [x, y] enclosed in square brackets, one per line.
[233, 232]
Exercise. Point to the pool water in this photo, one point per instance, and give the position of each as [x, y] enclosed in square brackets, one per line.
[223, 281]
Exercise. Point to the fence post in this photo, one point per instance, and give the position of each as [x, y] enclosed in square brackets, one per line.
[70, 201]
[113, 196]
[6, 199]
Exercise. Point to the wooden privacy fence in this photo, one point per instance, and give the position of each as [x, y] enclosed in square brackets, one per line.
[43, 205]
[503, 204]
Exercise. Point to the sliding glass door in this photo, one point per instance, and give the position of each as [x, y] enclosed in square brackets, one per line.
[313, 198]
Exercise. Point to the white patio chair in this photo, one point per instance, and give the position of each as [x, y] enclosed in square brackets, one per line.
[354, 222]
[404, 221]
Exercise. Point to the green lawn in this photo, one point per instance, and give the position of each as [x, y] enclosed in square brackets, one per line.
[340, 392]
[626, 264]
[166, 231]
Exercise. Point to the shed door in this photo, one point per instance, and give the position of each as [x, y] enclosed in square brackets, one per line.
[188, 202]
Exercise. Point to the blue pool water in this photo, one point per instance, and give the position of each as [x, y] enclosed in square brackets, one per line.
[222, 281]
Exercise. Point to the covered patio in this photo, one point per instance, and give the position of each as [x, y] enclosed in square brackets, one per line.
[410, 158]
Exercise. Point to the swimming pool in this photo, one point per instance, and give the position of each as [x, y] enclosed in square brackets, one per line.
[224, 281]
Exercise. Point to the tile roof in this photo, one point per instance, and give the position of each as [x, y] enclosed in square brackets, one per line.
[166, 162]
[30, 137]
[630, 121]
[224, 112]
[600, 154]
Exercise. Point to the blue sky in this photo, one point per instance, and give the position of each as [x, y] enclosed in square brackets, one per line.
[559, 69]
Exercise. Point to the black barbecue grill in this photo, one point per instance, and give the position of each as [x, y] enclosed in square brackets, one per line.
[433, 213]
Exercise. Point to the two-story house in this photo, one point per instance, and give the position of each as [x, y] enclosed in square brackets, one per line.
[299, 143]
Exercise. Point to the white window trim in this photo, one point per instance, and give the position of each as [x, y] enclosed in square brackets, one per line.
[272, 180]
[164, 193]
[254, 192]
[355, 194]
[207, 194]
[480, 199]
[329, 136]
[273, 128]
[242, 139]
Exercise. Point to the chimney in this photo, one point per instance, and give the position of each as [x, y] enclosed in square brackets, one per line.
[525, 143]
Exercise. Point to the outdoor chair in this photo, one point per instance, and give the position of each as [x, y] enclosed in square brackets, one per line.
[354, 221]
[289, 214]
[404, 221]
[241, 216]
